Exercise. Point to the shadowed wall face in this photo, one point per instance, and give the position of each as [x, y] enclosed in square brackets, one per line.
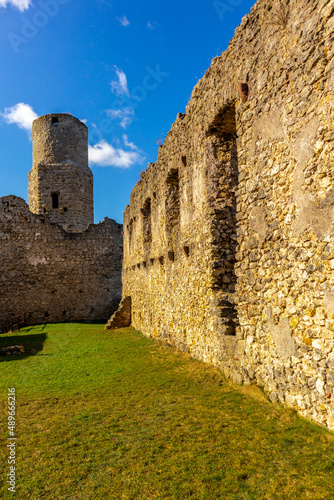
[52, 275]
[60, 182]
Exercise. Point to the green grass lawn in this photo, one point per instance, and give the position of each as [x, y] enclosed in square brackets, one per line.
[114, 415]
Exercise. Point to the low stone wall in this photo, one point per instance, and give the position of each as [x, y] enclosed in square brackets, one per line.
[228, 239]
[55, 276]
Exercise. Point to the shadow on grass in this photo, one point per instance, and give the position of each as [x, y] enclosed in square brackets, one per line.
[32, 344]
[33, 327]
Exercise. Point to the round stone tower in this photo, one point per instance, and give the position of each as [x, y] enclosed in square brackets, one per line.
[60, 181]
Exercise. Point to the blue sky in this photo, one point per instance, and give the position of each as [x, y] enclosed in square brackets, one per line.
[125, 67]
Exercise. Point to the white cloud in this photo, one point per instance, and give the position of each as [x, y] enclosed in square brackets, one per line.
[129, 144]
[119, 113]
[21, 114]
[126, 122]
[123, 20]
[120, 85]
[104, 154]
[19, 4]
[151, 26]
[125, 115]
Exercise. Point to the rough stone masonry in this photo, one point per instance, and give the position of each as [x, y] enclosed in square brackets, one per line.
[229, 238]
[55, 263]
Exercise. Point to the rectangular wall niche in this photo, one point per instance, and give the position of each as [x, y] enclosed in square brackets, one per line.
[186, 251]
[171, 256]
[130, 230]
[222, 166]
[147, 221]
[172, 200]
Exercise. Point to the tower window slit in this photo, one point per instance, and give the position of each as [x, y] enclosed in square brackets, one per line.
[55, 200]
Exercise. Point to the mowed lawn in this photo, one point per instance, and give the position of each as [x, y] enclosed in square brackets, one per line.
[114, 415]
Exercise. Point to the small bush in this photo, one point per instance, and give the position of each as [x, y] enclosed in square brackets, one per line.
[280, 15]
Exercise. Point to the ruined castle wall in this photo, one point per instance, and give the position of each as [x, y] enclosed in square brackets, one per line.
[171, 275]
[55, 276]
[167, 275]
[229, 242]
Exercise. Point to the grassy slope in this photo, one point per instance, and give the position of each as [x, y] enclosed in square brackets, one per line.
[114, 415]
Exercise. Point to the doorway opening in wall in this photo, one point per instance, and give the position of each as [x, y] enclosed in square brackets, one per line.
[172, 199]
[55, 200]
[222, 183]
[55, 120]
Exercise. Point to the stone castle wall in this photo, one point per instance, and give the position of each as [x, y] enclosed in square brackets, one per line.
[228, 239]
[55, 276]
